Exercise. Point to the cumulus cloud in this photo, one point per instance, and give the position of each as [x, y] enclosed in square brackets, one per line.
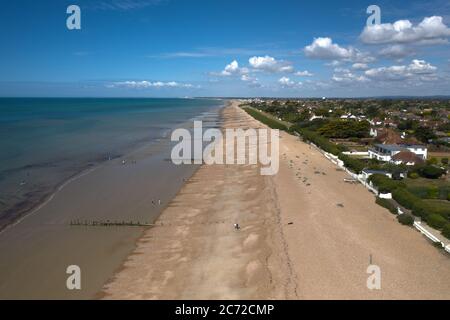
[231, 69]
[395, 51]
[252, 82]
[270, 64]
[342, 75]
[421, 67]
[416, 69]
[149, 84]
[360, 66]
[431, 30]
[324, 48]
[305, 73]
[288, 83]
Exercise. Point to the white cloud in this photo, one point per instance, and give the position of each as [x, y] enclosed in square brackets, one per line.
[360, 66]
[305, 73]
[148, 84]
[231, 69]
[270, 64]
[252, 81]
[416, 69]
[246, 77]
[324, 48]
[421, 67]
[286, 82]
[431, 30]
[395, 51]
[342, 75]
[334, 63]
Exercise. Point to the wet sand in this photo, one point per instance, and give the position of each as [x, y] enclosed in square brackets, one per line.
[305, 234]
[35, 252]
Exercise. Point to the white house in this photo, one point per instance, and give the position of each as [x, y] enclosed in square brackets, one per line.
[366, 173]
[385, 152]
[419, 150]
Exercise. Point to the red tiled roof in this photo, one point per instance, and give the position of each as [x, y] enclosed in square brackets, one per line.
[407, 156]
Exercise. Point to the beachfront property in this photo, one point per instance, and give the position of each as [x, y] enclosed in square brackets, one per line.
[408, 158]
[366, 173]
[386, 152]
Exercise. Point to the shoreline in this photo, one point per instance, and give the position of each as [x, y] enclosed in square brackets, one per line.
[198, 225]
[15, 214]
[43, 242]
[314, 245]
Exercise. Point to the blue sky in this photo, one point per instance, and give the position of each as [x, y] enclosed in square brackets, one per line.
[175, 48]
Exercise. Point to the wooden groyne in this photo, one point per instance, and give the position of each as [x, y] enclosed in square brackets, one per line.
[109, 223]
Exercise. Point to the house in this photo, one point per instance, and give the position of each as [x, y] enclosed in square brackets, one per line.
[419, 150]
[407, 157]
[366, 173]
[385, 152]
[388, 136]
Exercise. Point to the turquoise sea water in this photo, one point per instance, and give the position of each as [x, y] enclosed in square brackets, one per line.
[44, 141]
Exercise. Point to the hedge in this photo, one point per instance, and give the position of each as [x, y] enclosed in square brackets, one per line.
[431, 192]
[405, 198]
[436, 221]
[446, 231]
[318, 140]
[384, 184]
[272, 123]
[441, 208]
[354, 164]
[405, 219]
[386, 204]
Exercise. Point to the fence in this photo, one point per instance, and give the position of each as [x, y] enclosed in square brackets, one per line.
[430, 236]
[334, 159]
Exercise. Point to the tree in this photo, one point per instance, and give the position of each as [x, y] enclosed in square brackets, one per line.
[372, 111]
[345, 129]
[431, 172]
[424, 134]
[407, 125]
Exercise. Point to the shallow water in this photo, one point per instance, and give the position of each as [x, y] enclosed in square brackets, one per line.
[46, 141]
[36, 250]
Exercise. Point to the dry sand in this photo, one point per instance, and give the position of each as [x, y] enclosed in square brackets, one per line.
[305, 234]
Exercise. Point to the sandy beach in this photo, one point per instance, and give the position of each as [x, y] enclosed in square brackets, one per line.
[305, 234]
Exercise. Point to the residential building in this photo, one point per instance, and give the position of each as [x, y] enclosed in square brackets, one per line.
[385, 152]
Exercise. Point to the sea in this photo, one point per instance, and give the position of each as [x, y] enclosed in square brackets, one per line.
[46, 141]
[68, 162]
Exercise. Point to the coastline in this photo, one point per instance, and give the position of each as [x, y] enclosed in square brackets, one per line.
[314, 245]
[36, 249]
[195, 238]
